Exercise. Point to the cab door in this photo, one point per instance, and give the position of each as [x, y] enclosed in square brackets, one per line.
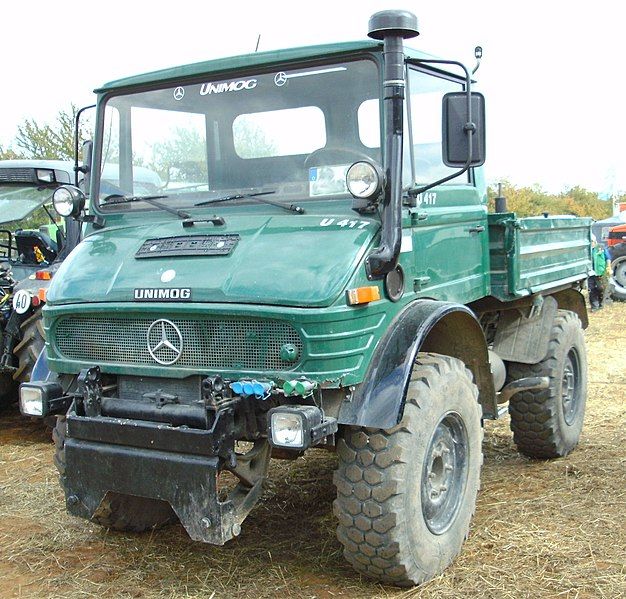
[449, 222]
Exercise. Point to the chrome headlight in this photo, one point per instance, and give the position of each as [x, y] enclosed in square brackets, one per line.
[68, 200]
[42, 399]
[299, 427]
[364, 180]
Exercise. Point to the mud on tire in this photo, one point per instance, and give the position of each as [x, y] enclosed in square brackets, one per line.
[117, 512]
[618, 265]
[28, 349]
[405, 496]
[547, 423]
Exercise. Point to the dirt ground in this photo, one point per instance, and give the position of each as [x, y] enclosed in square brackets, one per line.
[542, 529]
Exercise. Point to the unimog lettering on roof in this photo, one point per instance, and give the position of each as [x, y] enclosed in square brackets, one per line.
[232, 86]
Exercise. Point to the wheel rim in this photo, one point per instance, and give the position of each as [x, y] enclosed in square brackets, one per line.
[570, 392]
[445, 473]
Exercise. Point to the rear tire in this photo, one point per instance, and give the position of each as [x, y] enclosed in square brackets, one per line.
[8, 390]
[126, 513]
[547, 423]
[30, 346]
[618, 265]
[406, 496]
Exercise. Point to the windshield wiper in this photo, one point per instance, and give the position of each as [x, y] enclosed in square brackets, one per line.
[117, 198]
[254, 195]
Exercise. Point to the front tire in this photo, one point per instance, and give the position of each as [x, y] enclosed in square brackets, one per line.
[406, 496]
[547, 423]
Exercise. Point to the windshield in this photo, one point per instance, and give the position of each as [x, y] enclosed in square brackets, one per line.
[292, 132]
[18, 201]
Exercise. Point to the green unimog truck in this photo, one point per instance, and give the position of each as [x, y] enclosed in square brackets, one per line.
[318, 270]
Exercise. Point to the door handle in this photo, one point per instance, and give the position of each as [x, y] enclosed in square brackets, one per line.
[477, 229]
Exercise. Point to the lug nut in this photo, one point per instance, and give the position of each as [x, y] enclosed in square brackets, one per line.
[206, 522]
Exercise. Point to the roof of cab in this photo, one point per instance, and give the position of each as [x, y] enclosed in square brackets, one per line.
[258, 59]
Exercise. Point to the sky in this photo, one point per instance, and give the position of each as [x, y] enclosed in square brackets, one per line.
[552, 70]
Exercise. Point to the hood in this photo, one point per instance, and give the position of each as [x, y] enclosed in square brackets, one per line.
[291, 260]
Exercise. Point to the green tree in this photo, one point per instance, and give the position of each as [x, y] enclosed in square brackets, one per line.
[533, 201]
[50, 142]
[8, 154]
[251, 140]
[182, 157]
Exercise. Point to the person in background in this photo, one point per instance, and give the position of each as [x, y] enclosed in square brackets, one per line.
[598, 283]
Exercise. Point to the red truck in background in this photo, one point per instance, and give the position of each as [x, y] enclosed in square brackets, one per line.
[611, 233]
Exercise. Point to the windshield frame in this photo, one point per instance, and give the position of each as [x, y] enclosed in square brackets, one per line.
[374, 56]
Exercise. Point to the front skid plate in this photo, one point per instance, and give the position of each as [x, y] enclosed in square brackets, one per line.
[187, 482]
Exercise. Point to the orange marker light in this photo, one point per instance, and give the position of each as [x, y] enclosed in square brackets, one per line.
[43, 275]
[363, 295]
[42, 295]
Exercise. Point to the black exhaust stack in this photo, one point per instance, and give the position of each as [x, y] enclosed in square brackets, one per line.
[500, 201]
[392, 27]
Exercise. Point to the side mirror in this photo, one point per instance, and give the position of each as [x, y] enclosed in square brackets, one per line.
[456, 147]
[86, 167]
[87, 156]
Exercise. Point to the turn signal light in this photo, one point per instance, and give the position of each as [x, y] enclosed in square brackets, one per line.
[43, 275]
[41, 295]
[363, 295]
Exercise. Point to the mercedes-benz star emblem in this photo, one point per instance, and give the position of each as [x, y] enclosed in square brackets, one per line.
[165, 342]
[179, 93]
[280, 79]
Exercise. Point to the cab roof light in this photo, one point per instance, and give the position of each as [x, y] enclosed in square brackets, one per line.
[45, 175]
[43, 275]
[362, 295]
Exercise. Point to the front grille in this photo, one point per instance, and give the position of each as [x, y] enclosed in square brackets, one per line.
[236, 344]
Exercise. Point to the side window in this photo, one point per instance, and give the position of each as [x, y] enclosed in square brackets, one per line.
[426, 93]
[170, 145]
[368, 116]
[168, 150]
[286, 132]
[369, 133]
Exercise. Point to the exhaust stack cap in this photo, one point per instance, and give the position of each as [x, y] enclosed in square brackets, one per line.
[393, 22]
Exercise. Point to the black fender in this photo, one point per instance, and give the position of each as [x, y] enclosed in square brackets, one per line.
[41, 371]
[424, 325]
[574, 301]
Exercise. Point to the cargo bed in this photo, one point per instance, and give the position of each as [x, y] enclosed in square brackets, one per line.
[529, 255]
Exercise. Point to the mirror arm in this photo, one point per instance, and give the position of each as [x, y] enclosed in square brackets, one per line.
[95, 219]
[78, 169]
[469, 127]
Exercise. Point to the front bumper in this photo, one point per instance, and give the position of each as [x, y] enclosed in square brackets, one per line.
[177, 465]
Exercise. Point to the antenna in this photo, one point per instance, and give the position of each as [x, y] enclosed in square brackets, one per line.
[478, 54]
[258, 41]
